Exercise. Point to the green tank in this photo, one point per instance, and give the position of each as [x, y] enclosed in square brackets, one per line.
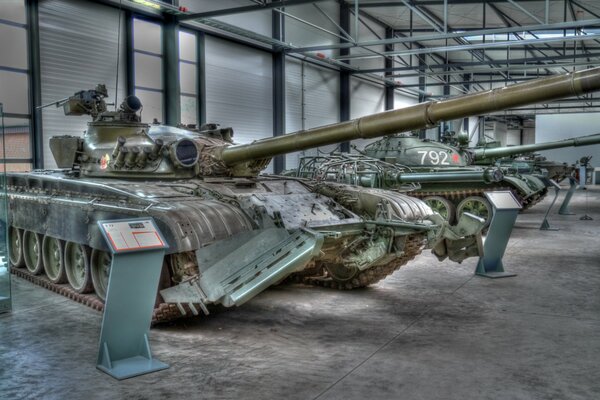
[524, 160]
[360, 170]
[452, 200]
[231, 232]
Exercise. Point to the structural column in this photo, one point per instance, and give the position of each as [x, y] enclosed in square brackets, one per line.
[129, 55]
[278, 88]
[389, 89]
[35, 84]
[201, 80]
[344, 74]
[422, 82]
[172, 100]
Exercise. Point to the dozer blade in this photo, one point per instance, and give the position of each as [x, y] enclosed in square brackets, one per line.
[462, 240]
[235, 270]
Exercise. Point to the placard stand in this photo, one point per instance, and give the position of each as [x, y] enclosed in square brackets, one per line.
[506, 209]
[564, 208]
[138, 250]
[545, 224]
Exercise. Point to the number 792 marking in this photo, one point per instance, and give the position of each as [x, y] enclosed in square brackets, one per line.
[434, 157]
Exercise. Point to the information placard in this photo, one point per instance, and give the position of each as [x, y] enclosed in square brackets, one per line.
[503, 200]
[132, 235]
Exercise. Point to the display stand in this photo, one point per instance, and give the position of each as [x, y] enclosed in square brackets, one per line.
[5, 295]
[585, 216]
[582, 176]
[545, 224]
[564, 208]
[138, 250]
[506, 208]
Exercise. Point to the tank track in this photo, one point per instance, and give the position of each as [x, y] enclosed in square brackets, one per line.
[163, 312]
[413, 247]
[458, 195]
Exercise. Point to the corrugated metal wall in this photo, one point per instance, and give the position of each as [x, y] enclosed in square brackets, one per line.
[239, 89]
[78, 45]
[321, 106]
[365, 98]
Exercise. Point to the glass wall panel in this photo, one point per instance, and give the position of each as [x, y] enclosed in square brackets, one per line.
[5, 303]
[14, 89]
[152, 103]
[187, 46]
[13, 46]
[147, 36]
[13, 10]
[17, 136]
[14, 99]
[189, 110]
[187, 78]
[148, 71]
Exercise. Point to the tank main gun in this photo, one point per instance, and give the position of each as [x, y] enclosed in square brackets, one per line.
[365, 171]
[418, 116]
[498, 152]
[117, 144]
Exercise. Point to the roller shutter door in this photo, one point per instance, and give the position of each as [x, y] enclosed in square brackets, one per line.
[321, 102]
[239, 89]
[365, 98]
[78, 50]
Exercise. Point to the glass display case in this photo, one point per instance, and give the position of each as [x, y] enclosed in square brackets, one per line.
[5, 302]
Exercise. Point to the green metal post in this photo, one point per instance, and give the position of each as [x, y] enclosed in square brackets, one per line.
[278, 88]
[201, 57]
[345, 75]
[172, 100]
[35, 83]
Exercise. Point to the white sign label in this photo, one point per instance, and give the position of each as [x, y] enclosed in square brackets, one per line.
[132, 235]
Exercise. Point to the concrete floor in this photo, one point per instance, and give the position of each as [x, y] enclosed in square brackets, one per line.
[430, 331]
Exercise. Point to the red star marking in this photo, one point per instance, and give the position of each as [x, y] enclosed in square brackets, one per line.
[455, 158]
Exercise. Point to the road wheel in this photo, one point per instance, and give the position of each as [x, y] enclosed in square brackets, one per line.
[15, 237]
[32, 252]
[100, 266]
[53, 257]
[442, 206]
[477, 206]
[77, 267]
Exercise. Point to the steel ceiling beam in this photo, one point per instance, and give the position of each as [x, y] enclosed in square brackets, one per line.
[518, 69]
[508, 21]
[477, 32]
[525, 11]
[474, 46]
[435, 57]
[436, 2]
[474, 81]
[244, 9]
[516, 61]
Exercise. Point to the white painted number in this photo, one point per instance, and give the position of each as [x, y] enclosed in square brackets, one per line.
[434, 157]
[444, 156]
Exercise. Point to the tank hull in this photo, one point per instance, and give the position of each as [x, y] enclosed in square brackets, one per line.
[200, 217]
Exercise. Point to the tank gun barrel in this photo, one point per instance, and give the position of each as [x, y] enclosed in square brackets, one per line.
[487, 175]
[498, 152]
[419, 116]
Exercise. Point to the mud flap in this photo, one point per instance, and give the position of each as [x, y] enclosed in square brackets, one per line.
[235, 270]
[462, 240]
